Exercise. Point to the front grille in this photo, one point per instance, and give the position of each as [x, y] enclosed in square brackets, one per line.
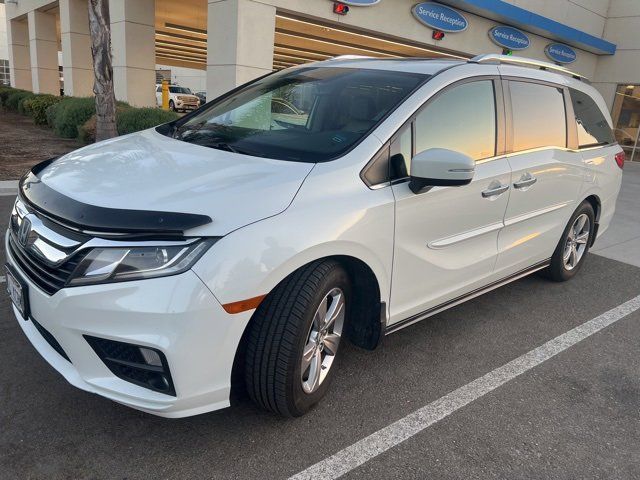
[49, 279]
[125, 360]
[38, 244]
[50, 340]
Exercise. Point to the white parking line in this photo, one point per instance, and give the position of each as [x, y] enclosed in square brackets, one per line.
[3, 279]
[379, 442]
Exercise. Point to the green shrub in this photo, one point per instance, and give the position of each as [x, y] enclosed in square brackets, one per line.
[72, 113]
[131, 120]
[24, 104]
[128, 120]
[5, 92]
[37, 107]
[51, 112]
[14, 99]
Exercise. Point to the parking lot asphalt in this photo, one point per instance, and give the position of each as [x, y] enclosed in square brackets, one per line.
[574, 416]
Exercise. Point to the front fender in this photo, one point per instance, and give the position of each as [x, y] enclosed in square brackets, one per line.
[251, 261]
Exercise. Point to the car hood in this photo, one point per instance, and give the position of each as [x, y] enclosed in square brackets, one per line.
[149, 171]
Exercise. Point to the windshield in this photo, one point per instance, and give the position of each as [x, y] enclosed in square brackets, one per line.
[179, 90]
[311, 114]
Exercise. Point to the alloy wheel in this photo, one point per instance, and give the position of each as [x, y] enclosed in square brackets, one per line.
[576, 244]
[323, 340]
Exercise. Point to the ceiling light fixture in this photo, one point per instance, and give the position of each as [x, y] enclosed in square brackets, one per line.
[182, 45]
[173, 36]
[184, 28]
[178, 57]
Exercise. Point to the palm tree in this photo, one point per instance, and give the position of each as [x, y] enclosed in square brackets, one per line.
[100, 29]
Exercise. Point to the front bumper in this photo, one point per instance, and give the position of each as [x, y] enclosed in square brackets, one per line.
[177, 315]
[180, 104]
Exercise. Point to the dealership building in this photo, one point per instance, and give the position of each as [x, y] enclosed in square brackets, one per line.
[215, 45]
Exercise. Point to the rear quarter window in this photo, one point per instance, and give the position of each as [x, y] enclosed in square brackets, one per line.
[593, 128]
[539, 118]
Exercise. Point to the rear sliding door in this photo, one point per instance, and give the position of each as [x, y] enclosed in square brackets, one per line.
[547, 176]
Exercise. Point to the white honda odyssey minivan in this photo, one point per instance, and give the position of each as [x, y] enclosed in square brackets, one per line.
[242, 243]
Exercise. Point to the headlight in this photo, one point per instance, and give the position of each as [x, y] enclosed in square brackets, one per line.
[118, 264]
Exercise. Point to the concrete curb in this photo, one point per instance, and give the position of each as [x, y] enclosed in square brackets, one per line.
[8, 187]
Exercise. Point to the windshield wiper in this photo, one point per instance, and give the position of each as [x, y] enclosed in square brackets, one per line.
[228, 148]
[223, 146]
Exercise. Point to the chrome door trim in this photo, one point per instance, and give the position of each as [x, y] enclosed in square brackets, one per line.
[536, 213]
[461, 237]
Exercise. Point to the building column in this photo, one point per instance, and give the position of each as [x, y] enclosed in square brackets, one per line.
[133, 47]
[19, 55]
[241, 34]
[43, 46]
[77, 63]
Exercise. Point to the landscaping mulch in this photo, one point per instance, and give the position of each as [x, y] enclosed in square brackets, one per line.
[23, 144]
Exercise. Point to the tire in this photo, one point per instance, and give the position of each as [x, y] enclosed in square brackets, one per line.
[284, 327]
[172, 106]
[560, 268]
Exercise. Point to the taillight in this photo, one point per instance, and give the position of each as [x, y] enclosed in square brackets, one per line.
[620, 158]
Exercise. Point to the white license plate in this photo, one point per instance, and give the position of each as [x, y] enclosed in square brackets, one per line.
[17, 292]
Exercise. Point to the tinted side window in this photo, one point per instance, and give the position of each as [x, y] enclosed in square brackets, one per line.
[539, 118]
[462, 118]
[593, 128]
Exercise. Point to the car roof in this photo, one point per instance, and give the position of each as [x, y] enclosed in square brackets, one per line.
[522, 67]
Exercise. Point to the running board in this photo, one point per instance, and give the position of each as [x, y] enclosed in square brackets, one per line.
[467, 296]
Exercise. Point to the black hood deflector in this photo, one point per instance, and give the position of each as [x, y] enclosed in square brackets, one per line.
[85, 217]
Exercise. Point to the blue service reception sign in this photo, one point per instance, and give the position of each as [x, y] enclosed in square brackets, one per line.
[509, 37]
[561, 53]
[440, 17]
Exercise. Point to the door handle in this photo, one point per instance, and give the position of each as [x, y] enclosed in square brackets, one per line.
[495, 190]
[525, 181]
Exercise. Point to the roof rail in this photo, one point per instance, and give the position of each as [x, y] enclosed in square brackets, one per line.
[526, 62]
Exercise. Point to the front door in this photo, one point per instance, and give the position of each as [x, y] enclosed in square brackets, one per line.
[446, 237]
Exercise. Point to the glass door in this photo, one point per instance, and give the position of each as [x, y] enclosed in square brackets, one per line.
[626, 119]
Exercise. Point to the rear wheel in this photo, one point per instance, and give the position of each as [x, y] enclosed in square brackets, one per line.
[573, 246]
[295, 339]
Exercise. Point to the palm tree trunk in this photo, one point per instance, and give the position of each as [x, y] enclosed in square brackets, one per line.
[100, 29]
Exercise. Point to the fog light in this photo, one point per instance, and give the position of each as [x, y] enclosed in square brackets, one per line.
[143, 366]
[151, 357]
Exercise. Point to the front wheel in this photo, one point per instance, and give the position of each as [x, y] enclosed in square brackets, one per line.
[172, 106]
[574, 245]
[295, 338]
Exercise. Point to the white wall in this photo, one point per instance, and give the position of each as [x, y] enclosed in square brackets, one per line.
[4, 49]
[586, 15]
[622, 28]
[191, 78]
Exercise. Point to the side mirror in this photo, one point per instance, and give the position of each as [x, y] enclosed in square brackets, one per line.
[439, 167]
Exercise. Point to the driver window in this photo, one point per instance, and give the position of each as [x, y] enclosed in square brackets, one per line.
[462, 118]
